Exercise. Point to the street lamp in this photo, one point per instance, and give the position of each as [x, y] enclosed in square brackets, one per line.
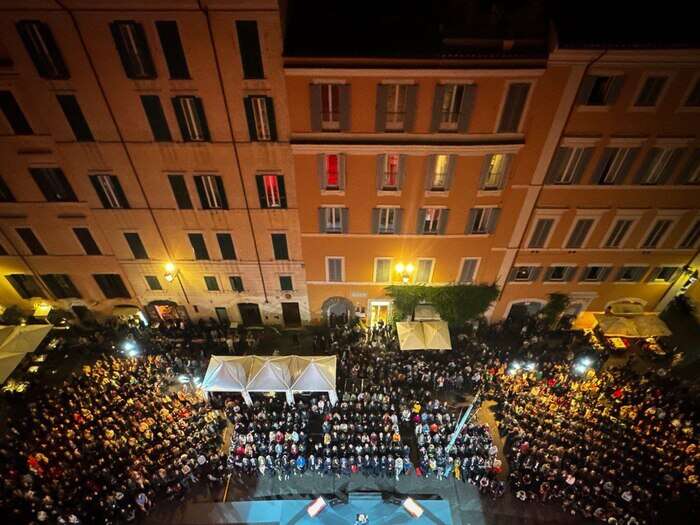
[170, 272]
[404, 271]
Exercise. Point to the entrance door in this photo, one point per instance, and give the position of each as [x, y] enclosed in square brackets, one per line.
[290, 314]
[379, 310]
[222, 315]
[250, 314]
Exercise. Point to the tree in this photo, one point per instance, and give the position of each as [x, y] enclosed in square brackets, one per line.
[552, 311]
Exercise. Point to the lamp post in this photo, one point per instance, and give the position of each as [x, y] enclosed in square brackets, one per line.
[172, 273]
[404, 271]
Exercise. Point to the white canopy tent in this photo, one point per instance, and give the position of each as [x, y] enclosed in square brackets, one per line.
[288, 374]
[437, 335]
[410, 335]
[16, 342]
[423, 335]
[650, 325]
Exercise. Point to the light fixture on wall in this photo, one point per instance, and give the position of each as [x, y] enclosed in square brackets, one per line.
[405, 271]
[170, 272]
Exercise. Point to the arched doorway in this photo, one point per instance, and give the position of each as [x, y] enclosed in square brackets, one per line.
[337, 310]
[166, 311]
[523, 310]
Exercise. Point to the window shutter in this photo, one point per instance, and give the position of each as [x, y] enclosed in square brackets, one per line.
[380, 112]
[451, 162]
[639, 273]
[271, 120]
[444, 217]
[471, 219]
[119, 191]
[381, 160]
[321, 170]
[156, 118]
[604, 159]
[506, 169]
[181, 121]
[410, 114]
[626, 165]
[582, 165]
[282, 190]
[142, 43]
[465, 111]
[203, 118]
[322, 220]
[556, 167]
[690, 166]
[493, 219]
[484, 170]
[345, 219]
[260, 181]
[585, 90]
[398, 220]
[402, 171]
[653, 274]
[315, 106]
[119, 44]
[341, 171]
[250, 118]
[671, 166]
[172, 49]
[429, 166]
[76, 119]
[514, 107]
[375, 220]
[614, 90]
[511, 274]
[344, 102]
[570, 273]
[437, 106]
[646, 164]
[98, 189]
[605, 273]
[420, 221]
[535, 273]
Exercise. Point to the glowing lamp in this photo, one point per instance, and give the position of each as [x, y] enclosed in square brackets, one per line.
[169, 267]
[315, 507]
[400, 267]
[409, 268]
[412, 507]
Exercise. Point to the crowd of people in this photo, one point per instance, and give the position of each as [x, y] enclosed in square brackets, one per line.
[124, 432]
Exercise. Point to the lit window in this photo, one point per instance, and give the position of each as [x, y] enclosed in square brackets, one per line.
[495, 172]
[272, 191]
[334, 220]
[332, 172]
[262, 123]
[439, 179]
[432, 220]
[387, 220]
[391, 172]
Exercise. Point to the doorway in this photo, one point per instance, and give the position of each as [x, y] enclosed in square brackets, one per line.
[290, 314]
[222, 316]
[250, 314]
[379, 311]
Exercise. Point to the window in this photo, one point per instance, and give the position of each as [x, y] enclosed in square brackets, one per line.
[431, 220]
[386, 220]
[691, 170]
[41, 46]
[524, 273]
[86, 241]
[236, 282]
[578, 235]
[494, 171]
[595, 273]
[212, 195]
[330, 106]
[659, 165]
[332, 219]
[456, 100]
[279, 246]
[540, 233]
[559, 273]
[693, 99]
[136, 245]
[25, 285]
[631, 274]
[439, 173]
[179, 187]
[5, 192]
[600, 90]
[211, 283]
[31, 241]
[388, 176]
[382, 270]
[657, 233]
[468, 271]
[110, 191]
[249, 47]
[514, 107]
[691, 238]
[651, 91]
[191, 118]
[60, 285]
[76, 119]
[664, 274]
[53, 184]
[132, 46]
[395, 100]
[112, 285]
[153, 283]
[172, 49]
[614, 165]
[199, 247]
[424, 272]
[618, 233]
[286, 284]
[482, 221]
[156, 118]
[568, 165]
[13, 114]
[334, 269]
[228, 253]
[332, 171]
[271, 191]
[260, 114]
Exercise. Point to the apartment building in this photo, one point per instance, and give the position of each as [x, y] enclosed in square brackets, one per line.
[484, 148]
[146, 160]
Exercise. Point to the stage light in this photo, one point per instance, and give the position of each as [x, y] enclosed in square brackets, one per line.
[580, 368]
[183, 379]
[530, 366]
[586, 361]
[128, 345]
[316, 506]
[132, 353]
[412, 507]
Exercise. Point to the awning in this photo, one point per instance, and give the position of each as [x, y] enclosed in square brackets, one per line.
[16, 342]
[650, 326]
[614, 326]
[410, 335]
[585, 321]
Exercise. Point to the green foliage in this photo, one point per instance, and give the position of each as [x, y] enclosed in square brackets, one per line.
[456, 304]
[558, 302]
[13, 315]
